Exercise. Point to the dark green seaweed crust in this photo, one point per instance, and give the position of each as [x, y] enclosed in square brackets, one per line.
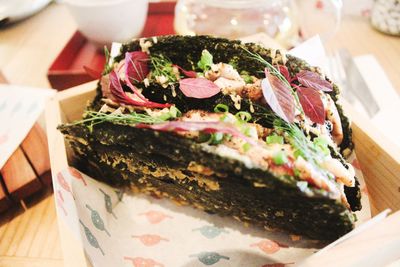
[126, 156]
[148, 161]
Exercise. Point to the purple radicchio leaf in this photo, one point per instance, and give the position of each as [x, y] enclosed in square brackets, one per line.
[313, 80]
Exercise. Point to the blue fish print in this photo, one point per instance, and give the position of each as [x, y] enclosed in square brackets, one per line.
[97, 220]
[209, 258]
[91, 238]
[108, 203]
[210, 231]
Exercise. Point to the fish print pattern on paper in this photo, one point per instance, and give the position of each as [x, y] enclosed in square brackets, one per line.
[76, 174]
[143, 262]
[91, 238]
[97, 220]
[155, 217]
[120, 194]
[16, 108]
[63, 183]
[60, 202]
[3, 105]
[150, 240]
[108, 203]
[209, 258]
[3, 138]
[267, 246]
[210, 231]
[32, 107]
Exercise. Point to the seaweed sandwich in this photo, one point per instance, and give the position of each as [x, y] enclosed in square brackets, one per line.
[233, 129]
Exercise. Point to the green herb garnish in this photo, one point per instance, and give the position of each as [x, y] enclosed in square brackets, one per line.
[243, 116]
[206, 60]
[274, 139]
[246, 147]
[221, 108]
[216, 138]
[133, 118]
[246, 77]
[162, 66]
[321, 144]
[280, 158]
[107, 67]
[274, 71]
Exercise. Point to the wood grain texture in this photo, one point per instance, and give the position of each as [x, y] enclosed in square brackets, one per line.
[37, 151]
[28, 261]
[380, 162]
[30, 238]
[5, 202]
[19, 177]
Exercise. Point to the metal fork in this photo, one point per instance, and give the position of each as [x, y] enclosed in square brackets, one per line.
[344, 72]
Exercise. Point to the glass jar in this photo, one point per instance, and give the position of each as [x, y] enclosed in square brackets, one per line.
[239, 18]
[385, 16]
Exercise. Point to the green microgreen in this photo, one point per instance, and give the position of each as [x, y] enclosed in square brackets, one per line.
[92, 118]
[246, 77]
[162, 66]
[246, 147]
[280, 158]
[108, 66]
[274, 139]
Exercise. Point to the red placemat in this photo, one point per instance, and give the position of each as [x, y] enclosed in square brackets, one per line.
[67, 69]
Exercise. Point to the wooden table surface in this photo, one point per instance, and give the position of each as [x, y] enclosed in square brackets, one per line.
[30, 238]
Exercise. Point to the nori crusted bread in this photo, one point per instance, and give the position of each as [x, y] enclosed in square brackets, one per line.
[157, 163]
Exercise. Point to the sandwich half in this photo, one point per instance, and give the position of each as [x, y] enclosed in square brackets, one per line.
[230, 128]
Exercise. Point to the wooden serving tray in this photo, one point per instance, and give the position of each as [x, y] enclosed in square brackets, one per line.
[27, 171]
[379, 160]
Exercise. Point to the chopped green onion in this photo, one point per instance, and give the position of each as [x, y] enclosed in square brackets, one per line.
[206, 60]
[280, 158]
[297, 153]
[321, 144]
[246, 77]
[296, 172]
[246, 147]
[243, 116]
[221, 108]
[250, 132]
[204, 137]
[274, 139]
[216, 138]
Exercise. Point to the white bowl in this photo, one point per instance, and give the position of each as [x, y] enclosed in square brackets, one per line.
[106, 21]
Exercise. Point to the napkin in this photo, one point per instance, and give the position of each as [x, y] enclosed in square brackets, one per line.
[20, 108]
